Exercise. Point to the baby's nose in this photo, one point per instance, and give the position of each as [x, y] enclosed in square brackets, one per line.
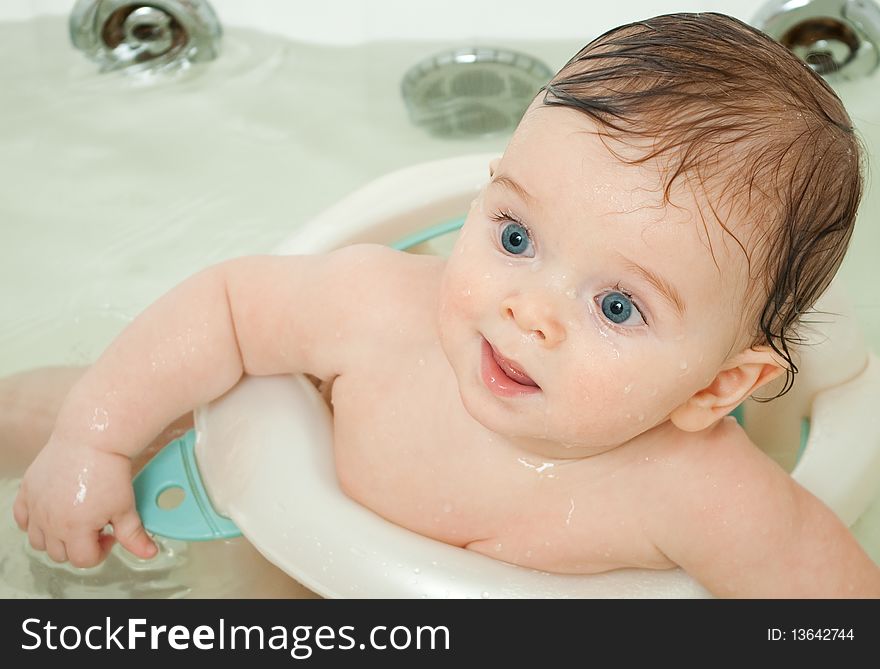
[534, 314]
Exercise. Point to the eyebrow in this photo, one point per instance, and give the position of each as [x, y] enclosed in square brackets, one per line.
[665, 289]
[504, 180]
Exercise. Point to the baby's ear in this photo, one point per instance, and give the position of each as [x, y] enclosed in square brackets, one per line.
[493, 166]
[740, 377]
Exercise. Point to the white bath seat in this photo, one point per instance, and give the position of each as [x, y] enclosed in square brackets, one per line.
[265, 448]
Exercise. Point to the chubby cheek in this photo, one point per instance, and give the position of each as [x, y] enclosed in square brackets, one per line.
[468, 289]
[621, 391]
[668, 381]
[458, 296]
[602, 402]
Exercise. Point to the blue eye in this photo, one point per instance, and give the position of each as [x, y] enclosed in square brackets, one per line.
[617, 307]
[515, 239]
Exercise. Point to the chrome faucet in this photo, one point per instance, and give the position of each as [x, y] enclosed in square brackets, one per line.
[839, 39]
[152, 35]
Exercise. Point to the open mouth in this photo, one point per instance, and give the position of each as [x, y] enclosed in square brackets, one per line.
[504, 377]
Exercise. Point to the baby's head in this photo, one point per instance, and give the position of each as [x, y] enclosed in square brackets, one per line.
[670, 205]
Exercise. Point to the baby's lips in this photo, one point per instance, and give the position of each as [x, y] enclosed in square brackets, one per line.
[513, 370]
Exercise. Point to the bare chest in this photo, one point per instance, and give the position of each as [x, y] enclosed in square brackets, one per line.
[406, 448]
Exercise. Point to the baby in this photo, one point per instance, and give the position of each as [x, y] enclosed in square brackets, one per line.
[670, 204]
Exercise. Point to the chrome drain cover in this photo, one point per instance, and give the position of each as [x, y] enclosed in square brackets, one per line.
[472, 92]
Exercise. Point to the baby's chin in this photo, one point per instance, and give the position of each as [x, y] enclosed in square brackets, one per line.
[529, 433]
[507, 424]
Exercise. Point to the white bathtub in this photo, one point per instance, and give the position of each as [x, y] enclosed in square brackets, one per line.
[104, 207]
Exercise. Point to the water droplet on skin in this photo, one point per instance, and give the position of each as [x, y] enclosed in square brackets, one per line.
[627, 389]
[100, 420]
[81, 487]
[683, 364]
[571, 293]
[498, 548]
[421, 362]
[615, 354]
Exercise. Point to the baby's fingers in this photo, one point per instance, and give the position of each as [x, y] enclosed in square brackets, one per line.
[131, 534]
[56, 550]
[20, 511]
[36, 537]
[89, 550]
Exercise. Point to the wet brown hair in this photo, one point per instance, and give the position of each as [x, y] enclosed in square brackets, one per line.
[723, 103]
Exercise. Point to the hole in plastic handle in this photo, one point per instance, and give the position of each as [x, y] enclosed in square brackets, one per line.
[170, 498]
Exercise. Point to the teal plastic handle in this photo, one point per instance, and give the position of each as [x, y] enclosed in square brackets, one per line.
[429, 233]
[194, 519]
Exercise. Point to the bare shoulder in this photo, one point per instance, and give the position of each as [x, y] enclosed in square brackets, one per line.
[398, 272]
[324, 314]
[388, 300]
[724, 447]
[720, 464]
[711, 481]
[387, 286]
[716, 503]
[740, 525]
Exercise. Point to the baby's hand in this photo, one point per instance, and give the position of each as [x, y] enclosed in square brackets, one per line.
[69, 494]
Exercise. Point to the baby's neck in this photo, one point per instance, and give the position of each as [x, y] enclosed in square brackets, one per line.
[555, 450]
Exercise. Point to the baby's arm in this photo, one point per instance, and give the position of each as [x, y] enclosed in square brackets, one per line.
[743, 527]
[256, 315]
